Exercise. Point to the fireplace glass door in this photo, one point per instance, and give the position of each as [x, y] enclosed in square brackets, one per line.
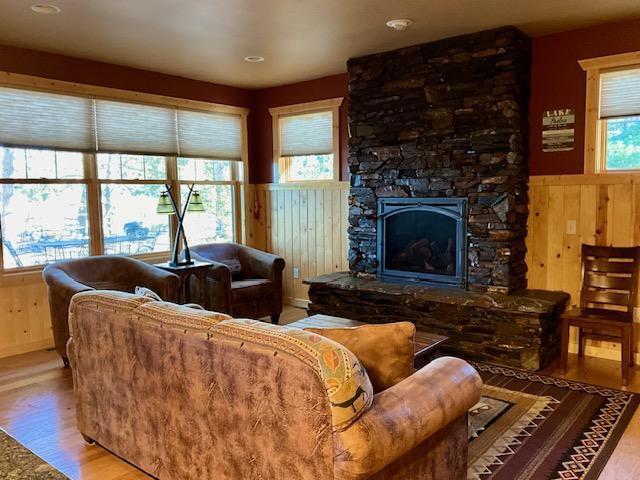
[422, 240]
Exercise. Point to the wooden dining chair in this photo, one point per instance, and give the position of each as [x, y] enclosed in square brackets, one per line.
[607, 298]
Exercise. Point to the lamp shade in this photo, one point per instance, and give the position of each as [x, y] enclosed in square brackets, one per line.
[195, 202]
[164, 204]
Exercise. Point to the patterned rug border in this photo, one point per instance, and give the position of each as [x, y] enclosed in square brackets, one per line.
[559, 382]
[585, 462]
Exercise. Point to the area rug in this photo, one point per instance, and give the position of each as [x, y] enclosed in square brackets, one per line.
[533, 427]
[19, 463]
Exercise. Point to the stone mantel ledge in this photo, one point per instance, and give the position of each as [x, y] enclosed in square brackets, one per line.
[538, 302]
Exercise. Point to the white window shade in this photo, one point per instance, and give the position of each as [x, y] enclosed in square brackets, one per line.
[132, 128]
[306, 134]
[45, 120]
[209, 135]
[54, 121]
[620, 93]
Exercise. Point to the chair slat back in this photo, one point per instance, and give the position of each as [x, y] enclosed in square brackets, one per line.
[610, 277]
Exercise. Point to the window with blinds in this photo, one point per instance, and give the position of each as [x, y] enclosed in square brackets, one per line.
[620, 119]
[81, 175]
[35, 119]
[307, 134]
[306, 141]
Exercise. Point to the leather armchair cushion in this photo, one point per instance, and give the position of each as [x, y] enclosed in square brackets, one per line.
[347, 383]
[385, 350]
[249, 290]
[235, 266]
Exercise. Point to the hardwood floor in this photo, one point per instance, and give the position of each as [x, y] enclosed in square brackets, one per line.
[36, 408]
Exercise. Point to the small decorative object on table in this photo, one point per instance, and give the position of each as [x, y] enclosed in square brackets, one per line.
[167, 205]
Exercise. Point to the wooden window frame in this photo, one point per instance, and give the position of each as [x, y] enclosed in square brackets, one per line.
[239, 179]
[595, 130]
[280, 163]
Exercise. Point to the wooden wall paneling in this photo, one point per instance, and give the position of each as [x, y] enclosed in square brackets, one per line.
[320, 232]
[306, 224]
[343, 228]
[607, 212]
[338, 234]
[555, 238]
[25, 323]
[570, 244]
[537, 236]
[312, 232]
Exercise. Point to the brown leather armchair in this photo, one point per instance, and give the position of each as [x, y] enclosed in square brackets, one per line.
[108, 272]
[244, 282]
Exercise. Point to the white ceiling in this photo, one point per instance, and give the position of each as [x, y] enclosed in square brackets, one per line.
[301, 39]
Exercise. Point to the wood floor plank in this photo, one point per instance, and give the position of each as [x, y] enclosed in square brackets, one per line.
[36, 407]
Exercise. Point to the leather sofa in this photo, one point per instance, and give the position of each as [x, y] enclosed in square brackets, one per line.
[191, 394]
[111, 272]
[244, 282]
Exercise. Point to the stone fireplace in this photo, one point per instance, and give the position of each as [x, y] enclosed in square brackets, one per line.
[441, 120]
[423, 240]
[438, 156]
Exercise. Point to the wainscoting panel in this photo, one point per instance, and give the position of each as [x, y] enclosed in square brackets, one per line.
[566, 211]
[25, 323]
[306, 224]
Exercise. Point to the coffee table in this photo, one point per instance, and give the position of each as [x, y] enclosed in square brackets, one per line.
[426, 345]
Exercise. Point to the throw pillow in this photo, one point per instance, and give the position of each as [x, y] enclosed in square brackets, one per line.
[384, 350]
[147, 292]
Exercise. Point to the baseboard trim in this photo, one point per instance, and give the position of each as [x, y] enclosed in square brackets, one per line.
[26, 347]
[297, 302]
[599, 352]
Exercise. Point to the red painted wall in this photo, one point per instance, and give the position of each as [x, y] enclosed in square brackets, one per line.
[71, 69]
[557, 81]
[260, 132]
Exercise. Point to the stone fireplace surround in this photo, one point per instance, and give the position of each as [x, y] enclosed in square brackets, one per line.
[447, 119]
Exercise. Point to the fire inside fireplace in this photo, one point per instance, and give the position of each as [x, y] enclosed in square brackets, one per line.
[422, 240]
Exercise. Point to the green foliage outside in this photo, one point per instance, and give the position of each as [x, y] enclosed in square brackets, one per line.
[623, 143]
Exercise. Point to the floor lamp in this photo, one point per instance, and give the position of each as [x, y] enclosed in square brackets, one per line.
[167, 205]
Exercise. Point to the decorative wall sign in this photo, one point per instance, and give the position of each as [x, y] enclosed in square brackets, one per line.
[557, 130]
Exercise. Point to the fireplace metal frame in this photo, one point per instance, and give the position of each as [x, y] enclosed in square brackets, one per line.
[455, 208]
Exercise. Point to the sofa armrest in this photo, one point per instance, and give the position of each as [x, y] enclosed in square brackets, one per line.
[404, 416]
[165, 284]
[259, 264]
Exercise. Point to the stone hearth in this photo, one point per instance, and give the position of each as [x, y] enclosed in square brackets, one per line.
[520, 330]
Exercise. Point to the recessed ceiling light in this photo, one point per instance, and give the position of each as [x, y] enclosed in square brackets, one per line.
[399, 24]
[45, 9]
[254, 59]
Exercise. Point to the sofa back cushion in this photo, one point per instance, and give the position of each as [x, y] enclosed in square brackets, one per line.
[181, 316]
[385, 350]
[348, 386]
[180, 400]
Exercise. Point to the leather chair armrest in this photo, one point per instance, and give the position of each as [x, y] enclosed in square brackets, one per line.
[404, 416]
[165, 284]
[61, 284]
[258, 264]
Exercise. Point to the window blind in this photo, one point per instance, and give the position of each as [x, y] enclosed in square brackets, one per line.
[306, 134]
[209, 135]
[46, 120]
[133, 128]
[55, 121]
[620, 93]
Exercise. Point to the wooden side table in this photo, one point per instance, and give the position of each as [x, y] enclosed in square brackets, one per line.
[426, 345]
[184, 272]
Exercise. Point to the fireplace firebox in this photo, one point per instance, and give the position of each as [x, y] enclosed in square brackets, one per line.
[423, 240]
